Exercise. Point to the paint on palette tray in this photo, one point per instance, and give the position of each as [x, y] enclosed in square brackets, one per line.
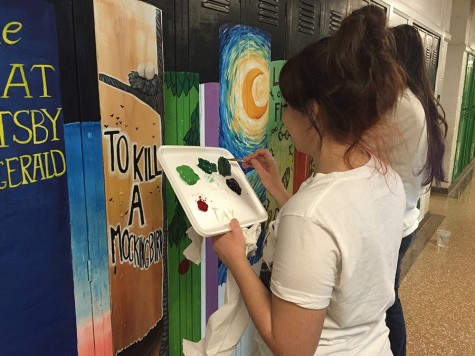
[233, 185]
[207, 166]
[187, 174]
[224, 167]
[202, 205]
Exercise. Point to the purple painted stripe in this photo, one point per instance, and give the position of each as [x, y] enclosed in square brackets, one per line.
[211, 114]
[211, 103]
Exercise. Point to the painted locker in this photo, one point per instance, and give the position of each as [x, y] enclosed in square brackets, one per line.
[99, 117]
[466, 129]
[37, 294]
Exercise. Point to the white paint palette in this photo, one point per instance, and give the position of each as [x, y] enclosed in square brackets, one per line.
[210, 190]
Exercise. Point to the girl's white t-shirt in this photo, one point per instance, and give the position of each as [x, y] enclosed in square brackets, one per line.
[334, 245]
[410, 154]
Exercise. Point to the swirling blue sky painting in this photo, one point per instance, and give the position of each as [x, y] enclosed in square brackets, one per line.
[245, 55]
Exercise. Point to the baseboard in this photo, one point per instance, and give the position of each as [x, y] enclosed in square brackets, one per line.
[456, 188]
[427, 227]
[439, 190]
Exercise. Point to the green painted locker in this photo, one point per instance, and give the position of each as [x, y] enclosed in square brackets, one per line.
[184, 278]
[465, 148]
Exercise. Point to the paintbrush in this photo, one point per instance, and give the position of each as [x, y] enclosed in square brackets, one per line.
[243, 160]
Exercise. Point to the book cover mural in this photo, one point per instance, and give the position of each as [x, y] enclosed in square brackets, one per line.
[280, 144]
[130, 66]
[244, 100]
[37, 294]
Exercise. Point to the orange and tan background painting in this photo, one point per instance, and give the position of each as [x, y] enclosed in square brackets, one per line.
[131, 75]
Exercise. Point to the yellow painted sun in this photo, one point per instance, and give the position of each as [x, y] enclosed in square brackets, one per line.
[254, 95]
[251, 95]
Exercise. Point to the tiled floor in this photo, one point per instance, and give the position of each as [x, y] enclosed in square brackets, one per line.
[438, 291]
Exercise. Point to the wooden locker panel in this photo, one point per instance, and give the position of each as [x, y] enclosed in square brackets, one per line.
[333, 13]
[268, 15]
[303, 24]
[201, 34]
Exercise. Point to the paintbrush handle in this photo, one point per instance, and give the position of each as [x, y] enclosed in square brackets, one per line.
[243, 160]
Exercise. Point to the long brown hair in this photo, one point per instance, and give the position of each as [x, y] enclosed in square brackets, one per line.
[410, 53]
[353, 77]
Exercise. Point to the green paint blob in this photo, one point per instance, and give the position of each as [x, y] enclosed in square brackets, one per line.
[187, 174]
[224, 167]
[207, 166]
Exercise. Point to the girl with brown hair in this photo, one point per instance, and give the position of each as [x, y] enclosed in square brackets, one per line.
[417, 158]
[333, 247]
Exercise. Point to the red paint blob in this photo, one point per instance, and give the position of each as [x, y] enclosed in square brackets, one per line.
[202, 205]
[184, 266]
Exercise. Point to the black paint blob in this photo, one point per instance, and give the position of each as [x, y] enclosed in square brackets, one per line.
[233, 185]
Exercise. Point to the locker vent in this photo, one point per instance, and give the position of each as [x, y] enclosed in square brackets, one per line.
[435, 56]
[427, 55]
[217, 5]
[335, 20]
[307, 18]
[269, 12]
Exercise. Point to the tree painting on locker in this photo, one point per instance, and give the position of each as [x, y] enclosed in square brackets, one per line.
[130, 66]
[245, 54]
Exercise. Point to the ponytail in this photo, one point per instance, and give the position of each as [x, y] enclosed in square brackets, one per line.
[354, 78]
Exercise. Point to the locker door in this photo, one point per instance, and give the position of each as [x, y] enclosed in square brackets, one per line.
[333, 13]
[469, 132]
[201, 21]
[427, 48]
[460, 160]
[169, 33]
[268, 15]
[303, 24]
[431, 45]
